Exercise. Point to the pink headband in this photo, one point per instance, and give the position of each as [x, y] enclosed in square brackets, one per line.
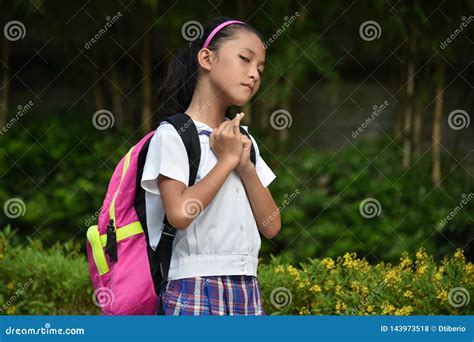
[218, 28]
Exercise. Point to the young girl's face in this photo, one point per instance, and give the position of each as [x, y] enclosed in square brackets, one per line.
[237, 70]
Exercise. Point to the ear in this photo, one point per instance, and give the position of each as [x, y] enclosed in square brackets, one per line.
[204, 58]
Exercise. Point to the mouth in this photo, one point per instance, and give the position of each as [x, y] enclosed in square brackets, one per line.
[248, 86]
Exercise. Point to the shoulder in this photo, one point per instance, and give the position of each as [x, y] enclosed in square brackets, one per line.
[166, 137]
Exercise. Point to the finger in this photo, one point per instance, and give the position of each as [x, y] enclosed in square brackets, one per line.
[236, 123]
[220, 128]
[228, 127]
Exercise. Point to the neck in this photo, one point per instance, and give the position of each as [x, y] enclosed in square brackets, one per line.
[206, 107]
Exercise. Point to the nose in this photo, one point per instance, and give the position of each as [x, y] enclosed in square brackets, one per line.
[254, 76]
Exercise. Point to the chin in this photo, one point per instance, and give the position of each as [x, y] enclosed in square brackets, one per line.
[240, 101]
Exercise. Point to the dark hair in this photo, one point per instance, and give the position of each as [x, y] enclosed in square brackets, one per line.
[177, 88]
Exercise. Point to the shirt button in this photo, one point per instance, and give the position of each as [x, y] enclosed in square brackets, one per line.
[237, 190]
[241, 228]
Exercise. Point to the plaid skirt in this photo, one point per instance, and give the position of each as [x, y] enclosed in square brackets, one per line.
[213, 295]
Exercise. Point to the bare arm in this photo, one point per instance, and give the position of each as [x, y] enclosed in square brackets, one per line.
[266, 212]
[182, 204]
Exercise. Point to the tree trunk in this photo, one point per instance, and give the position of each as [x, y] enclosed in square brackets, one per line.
[5, 83]
[422, 94]
[436, 135]
[417, 126]
[400, 115]
[408, 114]
[147, 120]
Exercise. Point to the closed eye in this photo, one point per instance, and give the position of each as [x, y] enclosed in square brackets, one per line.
[245, 58]
[247, 61]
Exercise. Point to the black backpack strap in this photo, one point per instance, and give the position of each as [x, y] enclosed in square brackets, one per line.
[161, 258]
[252, 149]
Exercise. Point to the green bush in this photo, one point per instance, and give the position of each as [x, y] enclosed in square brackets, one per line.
[351, 286]
[39, 281]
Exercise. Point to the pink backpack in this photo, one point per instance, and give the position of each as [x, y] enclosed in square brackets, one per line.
[127, 274]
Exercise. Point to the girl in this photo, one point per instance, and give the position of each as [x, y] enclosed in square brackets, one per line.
[213, 269]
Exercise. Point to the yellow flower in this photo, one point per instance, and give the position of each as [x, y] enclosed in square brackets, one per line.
[439, 274]
[405, 311]
[370, 308]
[11, 310]
[315, 288]
[363, 265]
[468, 270]
[328, 263]
[340, 306]
[338, 290]
[355, 286]
[421, 269]
[421, 254]
[459, 254]
[10, 286]
[405, 262]
[442, 295]
[349, 262]
[303, 284]
[408, 294]
[304, 311]
[393, 277]
[387, 309]
[293, 271]
[279, 269]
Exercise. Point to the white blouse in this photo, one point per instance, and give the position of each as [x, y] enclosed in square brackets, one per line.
[223, 239]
